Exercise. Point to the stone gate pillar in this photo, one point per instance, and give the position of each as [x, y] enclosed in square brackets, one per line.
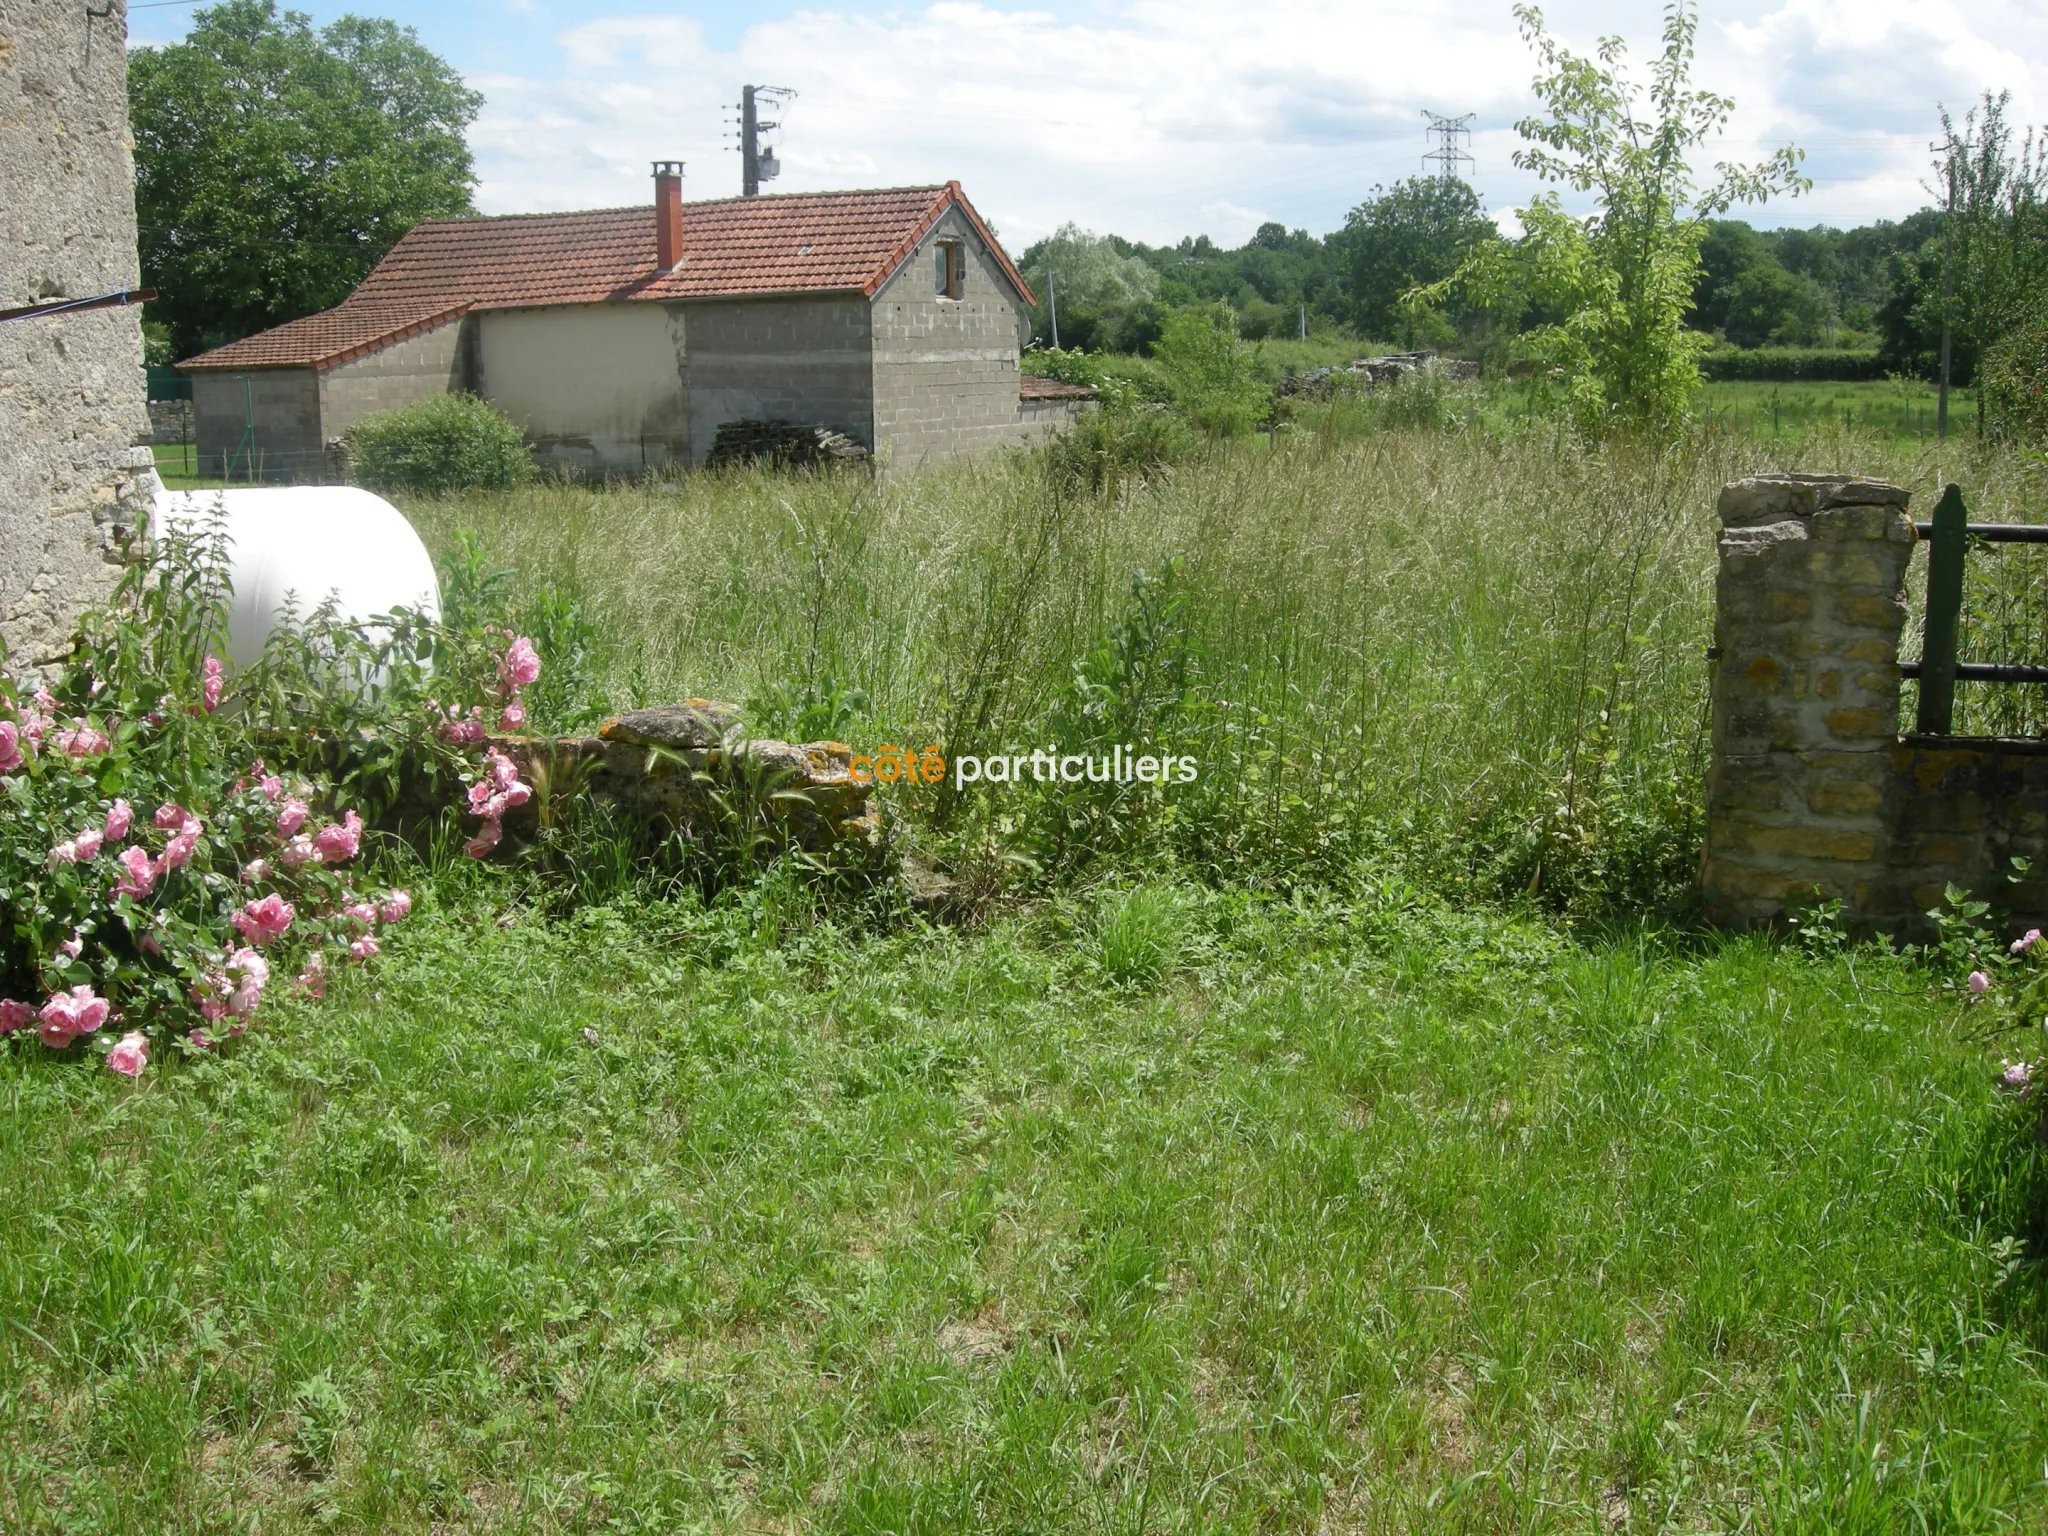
[1809, 603]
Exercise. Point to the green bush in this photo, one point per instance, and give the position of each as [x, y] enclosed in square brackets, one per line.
[2016, 385]
[446, 443]
[1214, 377]
[1819, 365]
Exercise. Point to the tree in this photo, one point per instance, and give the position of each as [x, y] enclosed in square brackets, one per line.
[276, 164]
[1415, 233]
[1621, 279]
[1094, 280]
[1992, 253]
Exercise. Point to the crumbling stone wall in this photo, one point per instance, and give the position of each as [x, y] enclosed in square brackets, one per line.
[1812, 793]
[74, 462]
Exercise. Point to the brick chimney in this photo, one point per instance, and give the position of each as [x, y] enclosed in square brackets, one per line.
[668, 215]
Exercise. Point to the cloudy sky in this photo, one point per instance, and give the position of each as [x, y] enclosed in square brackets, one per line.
[1162, 118]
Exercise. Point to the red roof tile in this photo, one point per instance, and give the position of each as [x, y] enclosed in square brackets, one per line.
[810, 242]
[1031, 386]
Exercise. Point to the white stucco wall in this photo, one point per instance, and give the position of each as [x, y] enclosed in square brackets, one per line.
[594, 385]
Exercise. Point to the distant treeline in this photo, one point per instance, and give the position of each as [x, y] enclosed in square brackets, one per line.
[1819, 303]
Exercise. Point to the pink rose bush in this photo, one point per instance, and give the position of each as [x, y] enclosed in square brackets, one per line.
[160, 873]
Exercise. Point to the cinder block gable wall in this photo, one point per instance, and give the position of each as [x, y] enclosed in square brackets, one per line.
[432, 362]
[75, 470]
[945, 370]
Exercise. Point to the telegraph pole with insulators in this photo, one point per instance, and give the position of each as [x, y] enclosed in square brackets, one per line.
[758, 164]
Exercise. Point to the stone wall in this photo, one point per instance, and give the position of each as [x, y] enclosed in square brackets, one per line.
[945, 370]
[1812, 793]
[74, 461]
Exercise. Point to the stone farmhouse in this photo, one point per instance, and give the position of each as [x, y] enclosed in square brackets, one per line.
[622, 338]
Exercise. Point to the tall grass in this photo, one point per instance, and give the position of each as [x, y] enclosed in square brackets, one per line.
[1482, 653]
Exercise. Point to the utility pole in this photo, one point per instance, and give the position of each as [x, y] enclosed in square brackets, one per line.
[1052, 297]
[757, 164]
[1449, 154]
[1948, 249]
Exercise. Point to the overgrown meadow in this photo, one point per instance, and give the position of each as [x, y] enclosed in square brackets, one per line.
[1361, 1138]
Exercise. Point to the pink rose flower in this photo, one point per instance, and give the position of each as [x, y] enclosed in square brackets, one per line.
[80, 740]
[395, 907]
[178, 852]
[72, 947]
[485, 840]
[299, 852]
[68, 1015]
[13, 1015]
[338, 841]
[130, 1054]
[364, 948]
[120, 816]
[1979, 983]
[2025, 941]
[254, 973]
[255, 870]
[290, 817]
[520, 665]
[362, 911]
[2017, 1074]
[11, 756]
[170, 817]
[88, 845]
[65, 852]
[264, 920]
[138, 874]
[209, 691]
[313, 979]
[513, 717]
[271, 785]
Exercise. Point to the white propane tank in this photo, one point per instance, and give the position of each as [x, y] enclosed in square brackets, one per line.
[312, 542]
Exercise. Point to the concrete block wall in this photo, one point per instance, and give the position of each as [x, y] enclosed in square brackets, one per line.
[945, 370]
[286, 404]
[1812, 793]
[801, 360]
[75, 468]
[433, 362]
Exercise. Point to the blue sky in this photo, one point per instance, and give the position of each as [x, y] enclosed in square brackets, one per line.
[1160, 118]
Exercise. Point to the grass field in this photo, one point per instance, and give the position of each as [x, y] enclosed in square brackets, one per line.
[1905, 410]
[1362, 1141]
[1167, 1209]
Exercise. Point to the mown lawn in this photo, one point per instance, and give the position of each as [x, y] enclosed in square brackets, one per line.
[1174, 1211]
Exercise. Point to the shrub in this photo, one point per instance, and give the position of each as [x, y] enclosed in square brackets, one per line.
[1212, 374]
[1784, 365]
[155, 872]
[2016, 385]
[445, 443]
[1118, 441]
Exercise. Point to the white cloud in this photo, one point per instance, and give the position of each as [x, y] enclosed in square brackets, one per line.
[1159, 118]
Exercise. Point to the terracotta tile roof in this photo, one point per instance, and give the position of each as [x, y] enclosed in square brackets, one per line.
[809, 242]
[1032, 387]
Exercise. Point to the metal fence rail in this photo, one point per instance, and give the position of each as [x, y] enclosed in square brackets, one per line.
[1938, 669]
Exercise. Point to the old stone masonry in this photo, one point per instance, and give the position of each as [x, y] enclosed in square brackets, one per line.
[75, 469]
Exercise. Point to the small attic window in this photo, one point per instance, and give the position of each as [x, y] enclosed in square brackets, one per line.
[949, 260]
